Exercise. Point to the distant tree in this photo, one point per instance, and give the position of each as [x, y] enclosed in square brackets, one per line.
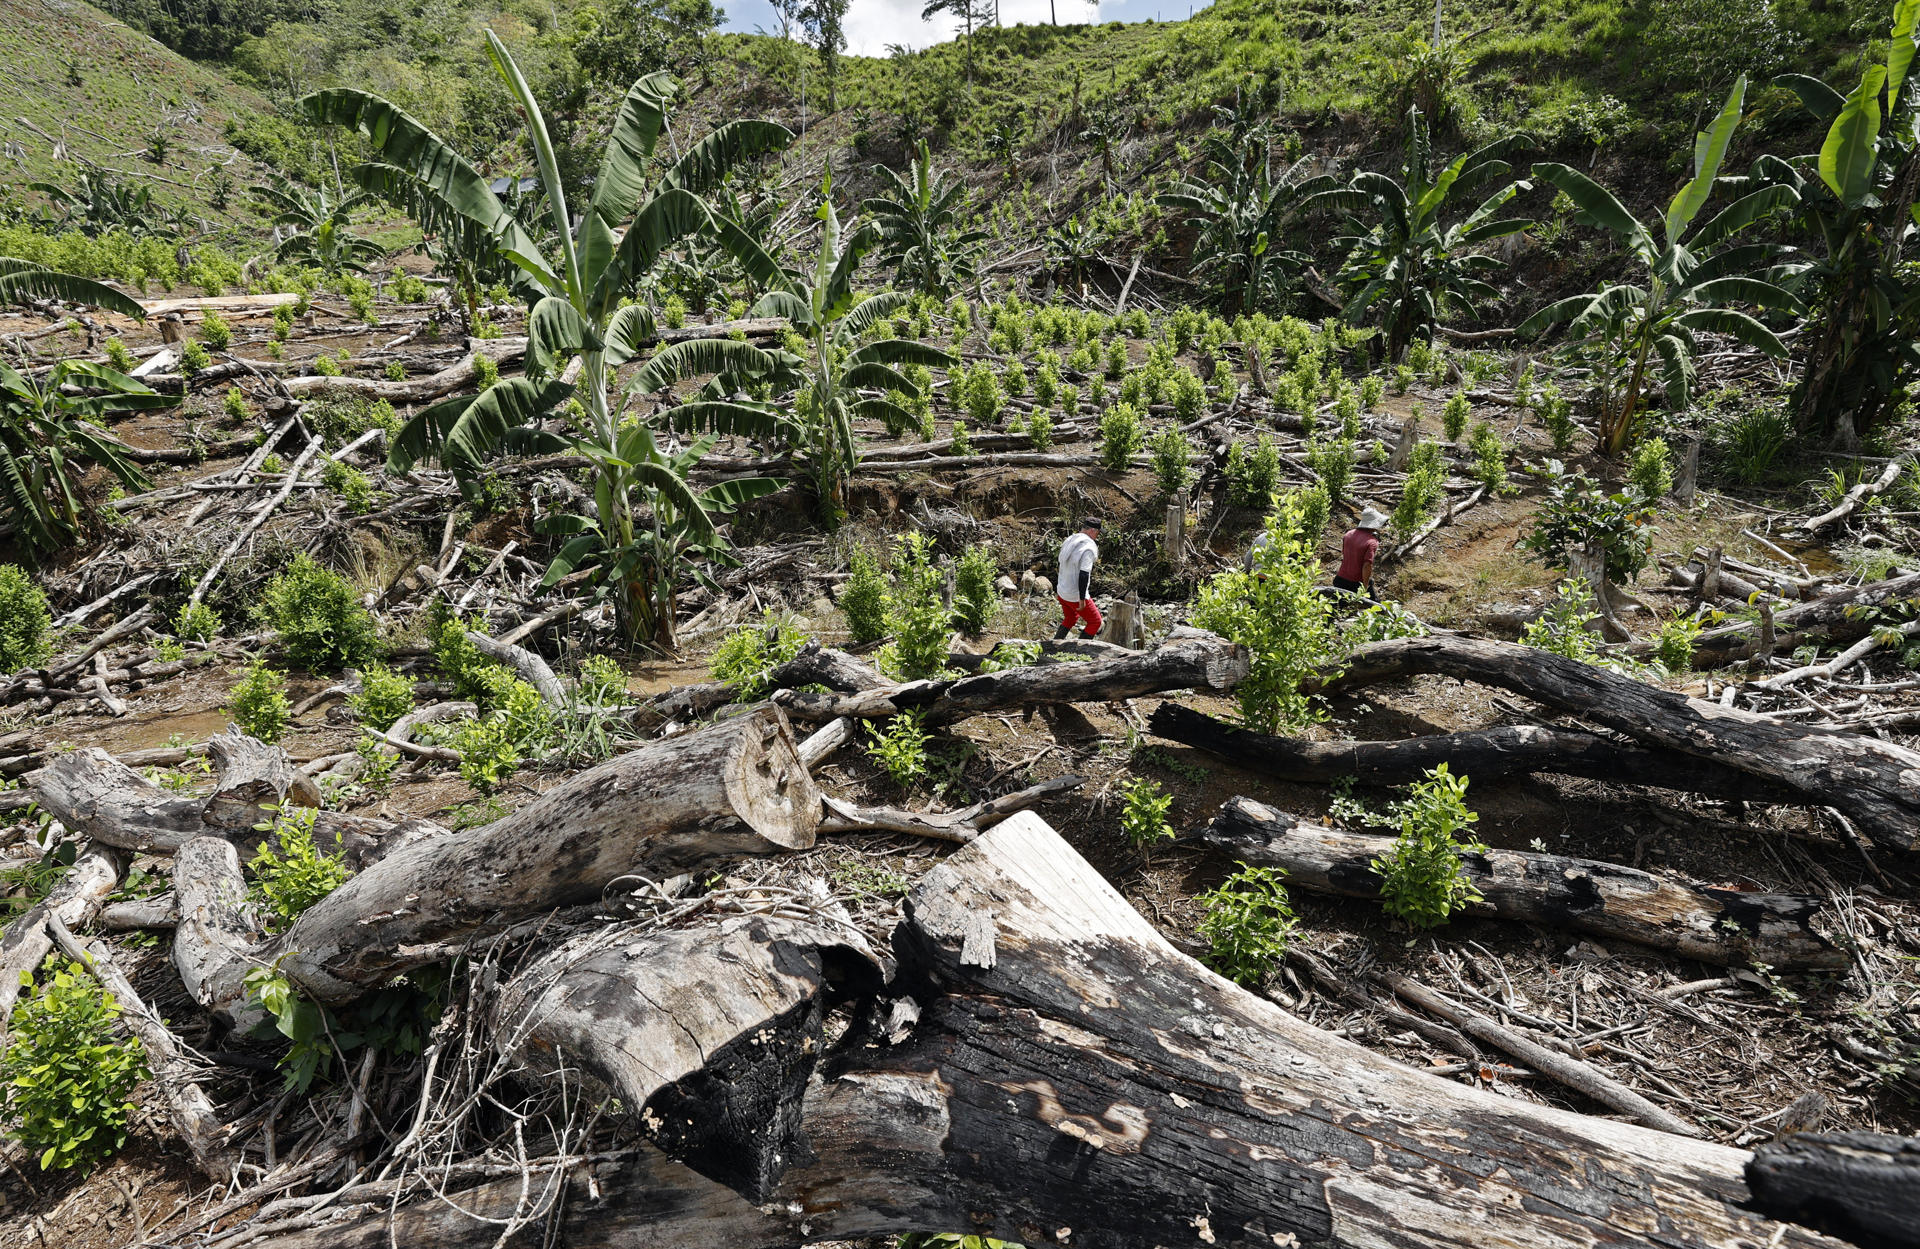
[822, 20]
[634, 38]
[970, 14]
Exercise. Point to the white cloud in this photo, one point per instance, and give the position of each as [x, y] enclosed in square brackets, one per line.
[873, 24]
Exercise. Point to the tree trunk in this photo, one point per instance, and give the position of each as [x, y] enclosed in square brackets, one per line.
[1072, 1079]
[1722, 926]
[1832, 618]
[1875, 783]
[1862, 1186]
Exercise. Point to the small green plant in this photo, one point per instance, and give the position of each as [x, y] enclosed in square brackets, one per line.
[1333, 460]
[1120, 437]
[1755, 439]
[486, 372]
[290, 873]
[1011, 654]
[196, 622]
[25, 620]
[327, 366]
[169, 649]
[1252, 474]
[1371, 389]
[601, 681]
[747, 657]
[974, 598]
[396, 371]
[1453, 417]
[1040, 430]
[234, 404]
[194, 358]
[354, 487]
[1652, 469]
[1403, 376]
[67, 1079]
[1248, 924]
[962, 445]
[1189, 396]
[271, 463]
[258, 705]
[1424, 489]
[899, 745]
[1489, 453]
[1556, 413]
[1143, 813]
[1673, 644]
[1577, 512]
[1564, 628]
[1421, 880]
[1171, 456]
[982, 396]
[319, 616]
[119, 359]
[385, 696]
[673, 312]
[487, 753]
[1117, 359]
[916, 617]
[214, 330]
[863, 598]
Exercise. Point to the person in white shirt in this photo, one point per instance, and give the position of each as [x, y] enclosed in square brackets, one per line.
[1078, 554]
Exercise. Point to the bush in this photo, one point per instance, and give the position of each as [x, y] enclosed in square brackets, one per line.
[1754, 440]
[67, 1078]
[290, 873]
[1489, 457]
[319, 617]
[384, 697]
[961, 444]
[1563, 628]
[1371, 388]
[1652, 469]
[1453, 417]
[1189, 396]
[1556, 413]
[1420, 877]
[118, 357]
[1248, 924]
[1171, 453]
[194, 357]
[981, 395]
[1423, 491]
[1143, 818]
[486, 372]
[974, 598]
[1278, 613]
[24, 620]
[1117, 359]
[1333, 460]
[354, 487]
[258, 705]
[1120, 437]
[1673, 645]
[196, 622]
[1252, 475]
[900, 746]
[863, 599]
[601, 681]
[747, 657]
[234, 404]
[1040, 430]
[214, 330]
[1577, 511]
[916, 617]
[487, 753]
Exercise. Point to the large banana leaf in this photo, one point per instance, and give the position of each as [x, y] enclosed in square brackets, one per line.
[1815, 96]
[622, 180]
[631, 328]
[1900, 49]
[1597, 205]
[555, 331]
[1709, 151]
[728, 418]
[901, 351]
[728, 495]
[696, 356]
[663, 221]
[877, 376]
[21, 280]
[548, 161]
[1735, 325]
[871, 309]
[1742, 213]
[708, 162]
[1851, 150]
[1747, 290]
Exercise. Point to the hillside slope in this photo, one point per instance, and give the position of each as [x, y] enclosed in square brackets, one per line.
[83, 87]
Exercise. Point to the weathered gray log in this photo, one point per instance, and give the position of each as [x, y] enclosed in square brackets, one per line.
[707, 1034]
[1832, 618]
[250, 776]
[1722, 926]
[460, 374]
[1857, 497]
[1861, 1186]
[814, 665]
[672, 806]
[1483, 754]
[1072, 1079]
[959, 826]
[1202, 662]
[528, 666]
[75, 899]
[1875, 783]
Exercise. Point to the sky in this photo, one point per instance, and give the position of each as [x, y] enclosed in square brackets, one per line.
[873, 24]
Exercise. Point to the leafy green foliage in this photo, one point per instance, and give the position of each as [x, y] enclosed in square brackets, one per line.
[24, 620]
[1333, 460]
[919, 622]
[1453, 416]
[1121, 436]
[196, 622]
[899, 745]
[354, 487]
[67, 1078]
[1423, 491]
[974, 598]
[290, 873]
[214, 330]
[319, 617]
[1420, 876]
[602, 680]
[746, 658]
[1489, 452]
[918, 217]
[385, 696]
[1577, 510]
[1252, 473]
[258, 704]
[194, 358]
[1673, 644]
[1652, 469]
[1563, 628]
[1248, 924]
[863, 598]
[488, 755]
[1242, 210]
[50, 428]
[1143, 813]
[1171, 455]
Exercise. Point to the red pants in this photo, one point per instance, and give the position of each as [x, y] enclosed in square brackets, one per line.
[1082, 610]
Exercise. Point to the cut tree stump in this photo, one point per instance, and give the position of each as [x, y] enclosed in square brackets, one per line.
[1862, 1186]
[1483, 754]
[1722, 926]
[1874, 783]
[1072, 1079]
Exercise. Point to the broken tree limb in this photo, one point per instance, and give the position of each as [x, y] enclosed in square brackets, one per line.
[460, 375]
[1722, 926]
[959, 826]
[1199, 662]
[74, 900]
[215, 926]
[1579, 1076]
[1875, 783]
[258, 519]
[1857, 497]
[528, 666]
[1836, 618]
[1483, 754]
[1862, 1186]
[1072, 1079]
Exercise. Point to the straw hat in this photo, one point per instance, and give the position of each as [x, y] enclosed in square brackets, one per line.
[1371, 518]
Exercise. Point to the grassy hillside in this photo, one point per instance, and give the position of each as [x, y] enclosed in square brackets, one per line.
[82, 86]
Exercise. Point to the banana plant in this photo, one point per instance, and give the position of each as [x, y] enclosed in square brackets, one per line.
[1411, 265]
[317, 221]
[1857, 196]
[822, 308]
[49, 430]
[1688, 287]
[918, 217]
[581, 324]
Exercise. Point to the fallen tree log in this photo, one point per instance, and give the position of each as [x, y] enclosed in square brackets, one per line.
[1201, 661]
[1875, 783]
[1072, 1079]
[1836, 618]
[1483, 754]
[1862, 1186]
[1727, 927]
[1857, 497]
[460, 375]
[74, 900]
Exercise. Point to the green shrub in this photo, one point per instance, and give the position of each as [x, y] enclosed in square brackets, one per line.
[1248, 924]
[899, 745]
[214, 330]
[290, 873]
[1563, 628]
[1754, 440]
[1040, 430]
[340, 416]
[1333, 461]
[747, 657]
[396, 371]
[673, 312]
[863, 598]
[67, 1079]
[1420, 876]
[1143, 815]
[1277, 612]
[1453, 417]
[601, 680]
[486, 372]
[919, 621]
[1117, 359]
[487, 753]
[962, 445]
[1556, 413]
[319, 617]
[1424, 489]
[974, 598]
[1403, 379]
[258, 705]
[385, 696]
[354, 487]
[1252, 475]
[327, 366]
[1171, 453]
[24, 620]
[982, 396]
[1189, 396]
[1120, 437]
[1673, 645]
[194, 357]
[234, 403]
[196, 622]
[118, 357]
[1014, 378]
[1652, 470]
[1371, 388]
[1489, 453]
[1577, 511]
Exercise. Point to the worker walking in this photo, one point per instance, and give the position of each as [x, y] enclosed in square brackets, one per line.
[1078, 554]
[1357, 550]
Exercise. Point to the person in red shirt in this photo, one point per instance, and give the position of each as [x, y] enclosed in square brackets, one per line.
[1357, 550]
